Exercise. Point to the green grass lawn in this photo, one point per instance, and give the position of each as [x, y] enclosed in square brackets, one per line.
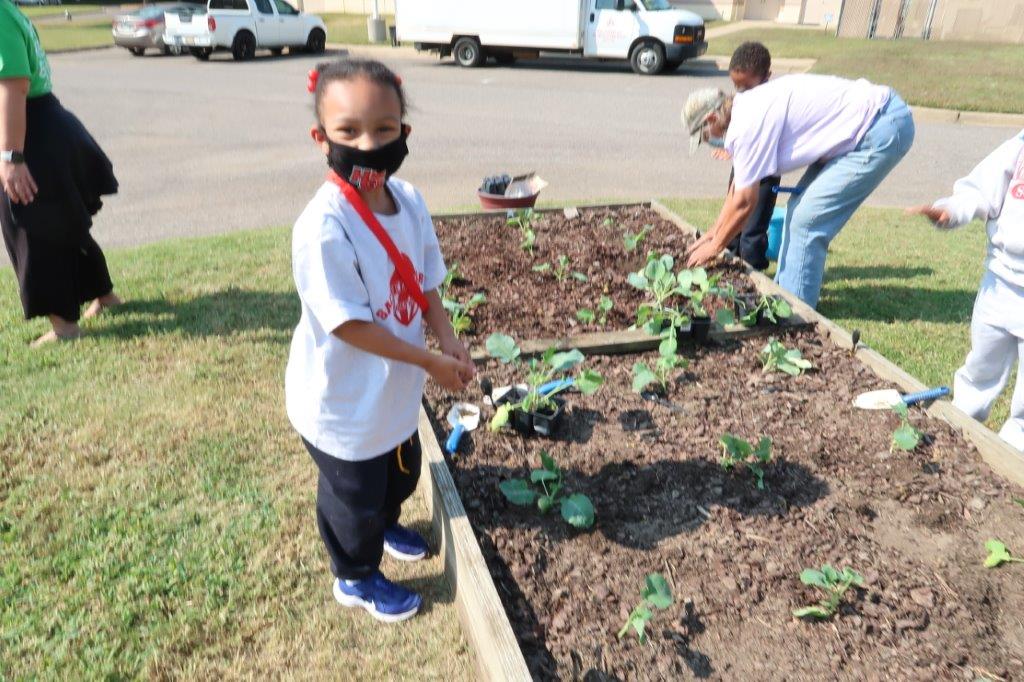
[75, 34]
[908, 288]
[156, 508]
[944, 74]
[350, 29]
[37, 11]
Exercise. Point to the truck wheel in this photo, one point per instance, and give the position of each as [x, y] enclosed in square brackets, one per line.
[244, 46]
[467, 52]
[316, 43]
[647, 59]
[200, 53]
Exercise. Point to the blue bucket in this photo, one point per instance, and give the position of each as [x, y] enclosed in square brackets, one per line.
[775, 226]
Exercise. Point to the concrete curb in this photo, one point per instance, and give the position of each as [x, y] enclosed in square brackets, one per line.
[72, 50]
[975, 118]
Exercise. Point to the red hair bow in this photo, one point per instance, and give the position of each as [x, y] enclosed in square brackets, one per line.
[311, 78]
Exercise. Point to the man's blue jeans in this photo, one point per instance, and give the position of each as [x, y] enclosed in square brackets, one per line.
[832, 191]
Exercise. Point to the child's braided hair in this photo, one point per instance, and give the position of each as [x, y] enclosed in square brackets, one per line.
[326, 73]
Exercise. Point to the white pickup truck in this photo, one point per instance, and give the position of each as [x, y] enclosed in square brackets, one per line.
[652, 34]
[244, 26]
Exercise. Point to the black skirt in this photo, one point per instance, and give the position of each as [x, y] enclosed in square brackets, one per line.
[58, 264]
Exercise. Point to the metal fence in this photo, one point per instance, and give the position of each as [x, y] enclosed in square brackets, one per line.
[887, 19]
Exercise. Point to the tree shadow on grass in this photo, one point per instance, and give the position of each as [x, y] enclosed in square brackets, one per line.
[894, 303]
[221, 313]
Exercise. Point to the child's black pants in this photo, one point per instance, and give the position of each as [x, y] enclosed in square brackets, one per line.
[752, 243]
[356, 501]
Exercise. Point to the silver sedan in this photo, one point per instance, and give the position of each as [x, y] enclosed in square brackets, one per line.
[144, 29]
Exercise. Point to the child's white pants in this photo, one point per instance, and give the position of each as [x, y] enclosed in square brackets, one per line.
[997, 342]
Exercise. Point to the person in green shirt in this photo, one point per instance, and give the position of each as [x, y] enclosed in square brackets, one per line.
[52, 175]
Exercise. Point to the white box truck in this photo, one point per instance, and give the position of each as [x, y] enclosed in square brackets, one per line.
[651, 34]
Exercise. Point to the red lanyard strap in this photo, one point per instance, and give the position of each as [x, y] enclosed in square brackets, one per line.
[403, 266]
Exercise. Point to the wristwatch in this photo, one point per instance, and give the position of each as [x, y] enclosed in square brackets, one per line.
[12, 156]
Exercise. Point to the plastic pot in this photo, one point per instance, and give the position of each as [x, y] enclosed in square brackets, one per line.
[744, 303]
[700, 327]
[529, 423]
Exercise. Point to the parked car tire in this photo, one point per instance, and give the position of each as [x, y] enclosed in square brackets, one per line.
[672, 65]
[316, 43]
[244, 46]
[647, 58]
[277, 51]
[137, 51]
[468, 53]
[200, 53]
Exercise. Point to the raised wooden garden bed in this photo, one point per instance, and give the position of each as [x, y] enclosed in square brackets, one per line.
[541, 599]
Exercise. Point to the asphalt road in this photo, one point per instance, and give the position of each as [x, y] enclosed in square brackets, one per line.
[203, 148]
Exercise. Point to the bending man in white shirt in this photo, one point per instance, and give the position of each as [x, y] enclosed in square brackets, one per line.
[849, 135]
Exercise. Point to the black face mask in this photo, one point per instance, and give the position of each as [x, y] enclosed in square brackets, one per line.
[367, 170]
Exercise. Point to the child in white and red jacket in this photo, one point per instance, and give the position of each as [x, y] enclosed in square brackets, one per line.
[994, 192]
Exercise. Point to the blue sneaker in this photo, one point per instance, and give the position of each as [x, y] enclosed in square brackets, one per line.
[404, 544]
[386, 601]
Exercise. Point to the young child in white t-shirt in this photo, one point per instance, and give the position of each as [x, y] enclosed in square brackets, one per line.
[367, 265]
[993, 192]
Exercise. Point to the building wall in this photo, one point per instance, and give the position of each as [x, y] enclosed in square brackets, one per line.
[713, 9]
[972, 20]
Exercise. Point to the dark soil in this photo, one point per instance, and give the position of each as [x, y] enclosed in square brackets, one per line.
[914, 524]
[528, 304]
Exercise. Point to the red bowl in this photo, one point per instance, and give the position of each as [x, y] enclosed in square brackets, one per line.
[501, 202]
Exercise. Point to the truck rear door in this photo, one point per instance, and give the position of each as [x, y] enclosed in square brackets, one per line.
[612, 25]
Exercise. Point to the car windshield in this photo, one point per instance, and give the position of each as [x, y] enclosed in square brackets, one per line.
[654, 5]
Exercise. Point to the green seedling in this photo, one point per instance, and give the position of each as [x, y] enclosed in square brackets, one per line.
[658, 314]
[560, 270]
[998, 555]
[546, 488]
[696, 286]
[608, 222]
[905, 437]
[588, 316]
[776, 357]
[631, 241]
[834, 584]
[654, 595]
[737, 451]
[459, 312]
[1019, 501]
[661, 373]
[774, 309]
[453, 275]
[540, 372]
[522, 220]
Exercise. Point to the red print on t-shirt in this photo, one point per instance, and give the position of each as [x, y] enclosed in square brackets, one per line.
[1018, 192]
[400, 302]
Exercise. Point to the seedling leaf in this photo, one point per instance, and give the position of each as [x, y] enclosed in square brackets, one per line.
[812, 611]
[543, 267]
[548, 462]
[545, 502]
[579, 277]
[906, 437]
[518, 492]
[502, 347]
[725, 317]
[500, 417]
[642, 377]
[563, 362]
[998, 554]
[585, 315]
[578, 511]
[657, 591]
[637, 280]
[814, 578]
[589, 381]
[540, 475]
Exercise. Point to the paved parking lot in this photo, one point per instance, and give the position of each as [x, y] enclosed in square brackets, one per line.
[202, 148]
